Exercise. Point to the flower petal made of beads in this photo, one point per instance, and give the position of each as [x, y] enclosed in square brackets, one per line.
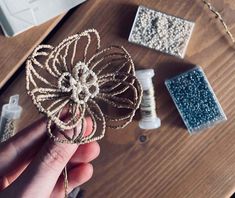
[119, 102]
[73, 49]
[98, 129]
[111, 60]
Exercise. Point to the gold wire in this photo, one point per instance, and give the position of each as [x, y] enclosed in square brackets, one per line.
[219, 16]
[66, 182]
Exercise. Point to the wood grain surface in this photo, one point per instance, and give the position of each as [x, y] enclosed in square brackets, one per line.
[167, 162]
[14, 50]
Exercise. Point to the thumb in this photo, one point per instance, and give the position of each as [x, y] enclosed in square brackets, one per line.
[40, 177]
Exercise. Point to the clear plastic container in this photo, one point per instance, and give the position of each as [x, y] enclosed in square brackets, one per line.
[195, 100]
[10, 112]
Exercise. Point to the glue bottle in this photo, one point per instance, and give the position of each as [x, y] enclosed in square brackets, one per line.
[10, 113]
[149, 118]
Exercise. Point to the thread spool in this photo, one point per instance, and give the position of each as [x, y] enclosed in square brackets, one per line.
[149, 118]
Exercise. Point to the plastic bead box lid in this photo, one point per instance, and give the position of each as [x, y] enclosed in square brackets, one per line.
[195, 100]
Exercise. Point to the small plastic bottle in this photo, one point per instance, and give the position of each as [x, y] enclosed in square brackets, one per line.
[10, 112]
[149, 118]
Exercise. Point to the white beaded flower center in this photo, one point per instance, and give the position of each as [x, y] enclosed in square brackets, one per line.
[82, 83]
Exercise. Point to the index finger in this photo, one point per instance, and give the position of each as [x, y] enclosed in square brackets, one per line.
[24, 143]
[19, 150]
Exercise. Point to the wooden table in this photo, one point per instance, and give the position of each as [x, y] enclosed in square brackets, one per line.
[14, 50]
[166, 162]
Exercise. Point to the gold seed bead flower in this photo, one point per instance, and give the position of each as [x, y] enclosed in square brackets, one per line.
[76, 75]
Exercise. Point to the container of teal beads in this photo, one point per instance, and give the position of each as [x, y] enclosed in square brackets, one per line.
[195, 100]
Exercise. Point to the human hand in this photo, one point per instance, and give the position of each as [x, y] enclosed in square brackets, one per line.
[31, 164]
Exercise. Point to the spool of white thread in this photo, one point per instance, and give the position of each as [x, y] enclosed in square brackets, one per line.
[149, 118]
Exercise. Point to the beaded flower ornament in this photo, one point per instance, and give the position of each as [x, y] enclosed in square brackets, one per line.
[85, 80]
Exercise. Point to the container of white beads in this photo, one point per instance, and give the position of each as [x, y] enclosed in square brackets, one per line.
[160, 31]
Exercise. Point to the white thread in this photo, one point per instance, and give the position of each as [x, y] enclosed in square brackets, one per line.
[148, 106]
